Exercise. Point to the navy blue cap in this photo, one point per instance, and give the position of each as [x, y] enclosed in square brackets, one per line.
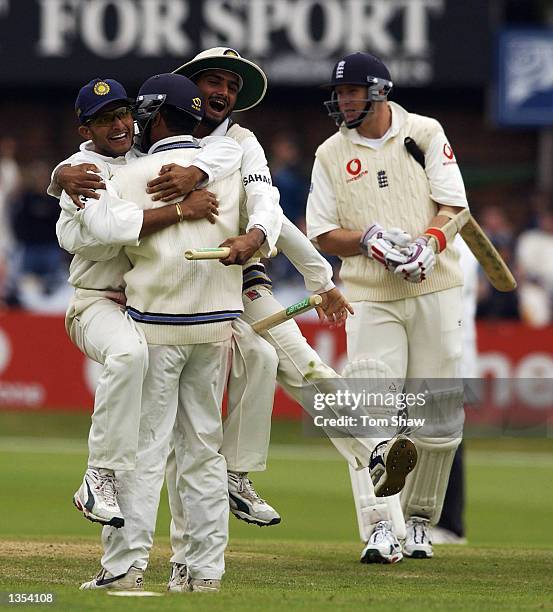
[178, 91]
[97, 94]
[358, 69]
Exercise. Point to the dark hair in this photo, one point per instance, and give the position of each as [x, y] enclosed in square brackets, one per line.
[178, 121]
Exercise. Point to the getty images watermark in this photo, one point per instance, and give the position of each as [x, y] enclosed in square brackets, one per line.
[355, 403]
[374, 408]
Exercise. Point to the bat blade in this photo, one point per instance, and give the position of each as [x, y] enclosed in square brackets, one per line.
[287, 313]
[487, 255]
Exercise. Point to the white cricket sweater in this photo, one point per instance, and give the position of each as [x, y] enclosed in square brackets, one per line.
[174, 300]
[385, 186]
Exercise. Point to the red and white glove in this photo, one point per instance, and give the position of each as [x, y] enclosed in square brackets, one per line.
[379, 244]
[420, 262]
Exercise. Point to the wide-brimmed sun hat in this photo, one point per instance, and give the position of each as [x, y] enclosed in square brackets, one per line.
[252, 78]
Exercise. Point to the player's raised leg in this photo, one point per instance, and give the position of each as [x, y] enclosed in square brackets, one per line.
[247, 428]
[105, 333]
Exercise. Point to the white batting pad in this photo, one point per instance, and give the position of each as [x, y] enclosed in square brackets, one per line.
[370, 509]
[425, 488]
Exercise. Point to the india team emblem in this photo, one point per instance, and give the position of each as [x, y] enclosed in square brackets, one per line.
[101, 88]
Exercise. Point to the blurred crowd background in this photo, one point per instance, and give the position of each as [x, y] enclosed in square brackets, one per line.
[506, 172]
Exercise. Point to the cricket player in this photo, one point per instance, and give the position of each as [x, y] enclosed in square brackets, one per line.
[185, 310]
[96, 320]
[407, 300]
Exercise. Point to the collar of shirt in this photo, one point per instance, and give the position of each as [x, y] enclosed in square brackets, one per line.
[174, 142]
[88, 147]
[221, 129]
[399, 116]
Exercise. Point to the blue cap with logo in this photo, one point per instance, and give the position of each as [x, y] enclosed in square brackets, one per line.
[359, 69]
[174, 90]
[97, 94]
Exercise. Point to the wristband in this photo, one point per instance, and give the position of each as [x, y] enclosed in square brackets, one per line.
[179, 211]
[439, 236]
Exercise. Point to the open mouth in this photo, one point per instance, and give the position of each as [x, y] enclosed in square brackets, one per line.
[217, 104]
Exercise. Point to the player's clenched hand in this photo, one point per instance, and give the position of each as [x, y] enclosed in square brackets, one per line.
[334, 307]
[200, 204]
[174, 181]
[379, 244]
[420, 262]
[80, 180]
[243, 247]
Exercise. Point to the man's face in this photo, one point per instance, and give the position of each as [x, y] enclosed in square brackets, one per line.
[219, 89]
[352, 100]
[111, 129]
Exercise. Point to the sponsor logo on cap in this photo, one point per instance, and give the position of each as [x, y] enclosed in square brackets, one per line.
[197, 104]
[101, 88]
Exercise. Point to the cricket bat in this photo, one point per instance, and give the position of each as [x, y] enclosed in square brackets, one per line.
[492, 263]
[288, 313]
[219, 253]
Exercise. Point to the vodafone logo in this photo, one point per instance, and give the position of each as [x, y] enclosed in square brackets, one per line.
[353, 167]
[5, 351]
[448, 151]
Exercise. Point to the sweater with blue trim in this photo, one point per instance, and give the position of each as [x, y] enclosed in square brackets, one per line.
[176, 301]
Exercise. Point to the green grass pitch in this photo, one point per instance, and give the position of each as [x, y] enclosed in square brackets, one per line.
[310, 561]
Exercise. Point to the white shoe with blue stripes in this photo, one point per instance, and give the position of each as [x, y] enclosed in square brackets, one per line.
[96, 498]
[246, 504]
[133, 580]
[418, 538]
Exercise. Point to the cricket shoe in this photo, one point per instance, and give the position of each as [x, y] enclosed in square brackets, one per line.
[181, 582]
[383, 546]
[246, 504]
[133, 580]
[178, 581]
[418, 543]
[391, 461]
[96, 498]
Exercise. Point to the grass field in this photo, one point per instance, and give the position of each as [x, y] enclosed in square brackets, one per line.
[309, 561]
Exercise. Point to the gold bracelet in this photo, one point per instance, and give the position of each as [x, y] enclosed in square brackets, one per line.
[179, 211]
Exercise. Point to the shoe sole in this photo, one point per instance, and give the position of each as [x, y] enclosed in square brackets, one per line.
[197, 589]
[116, 521]
[242, 516]
[373, 555]
[400, 461]
[419, 554]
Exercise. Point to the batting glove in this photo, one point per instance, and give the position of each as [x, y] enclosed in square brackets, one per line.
[420, 262]
[377, 244]
[397, 237]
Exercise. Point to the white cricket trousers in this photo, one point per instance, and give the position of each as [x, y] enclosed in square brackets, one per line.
[181, 404]
[296, 361]
[250, 396]
[417, 338]
[104, 332]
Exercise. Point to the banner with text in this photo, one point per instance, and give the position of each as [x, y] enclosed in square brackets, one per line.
[66, 42]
